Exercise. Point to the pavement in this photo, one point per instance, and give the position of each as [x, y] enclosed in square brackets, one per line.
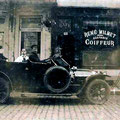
[59, 108]
[115, 91]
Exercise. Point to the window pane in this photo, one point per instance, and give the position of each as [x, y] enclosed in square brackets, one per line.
[100, 33]
[98, 58]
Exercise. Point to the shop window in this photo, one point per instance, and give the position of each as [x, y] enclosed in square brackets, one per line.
[98, 58]
[100, 33]
[99, 39]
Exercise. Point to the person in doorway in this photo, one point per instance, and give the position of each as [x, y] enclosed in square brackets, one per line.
[23, 57]
[33, 56]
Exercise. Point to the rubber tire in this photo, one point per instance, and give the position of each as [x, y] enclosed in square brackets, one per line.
[48, 72]
[4, 85]
[94, 83]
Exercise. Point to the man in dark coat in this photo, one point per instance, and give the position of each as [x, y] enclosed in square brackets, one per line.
[33, 56]
[2, 57]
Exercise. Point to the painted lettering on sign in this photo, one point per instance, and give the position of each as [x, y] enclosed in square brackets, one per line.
[99, 42]
[100, 38]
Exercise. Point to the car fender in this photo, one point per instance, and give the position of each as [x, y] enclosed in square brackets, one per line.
[96, 76]
[89, 79]
[6, 77]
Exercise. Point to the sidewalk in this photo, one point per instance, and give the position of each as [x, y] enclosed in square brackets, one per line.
[115, 91]
[60, 109]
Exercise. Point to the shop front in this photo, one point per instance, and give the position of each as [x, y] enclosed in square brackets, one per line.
[89, 35]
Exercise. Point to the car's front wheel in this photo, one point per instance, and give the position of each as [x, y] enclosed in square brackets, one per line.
[97, 91]
[57, 79]
[4, 90]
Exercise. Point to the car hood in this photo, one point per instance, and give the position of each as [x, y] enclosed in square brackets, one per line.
[83, 72]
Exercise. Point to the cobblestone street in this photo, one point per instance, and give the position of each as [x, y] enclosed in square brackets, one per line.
[59, 109]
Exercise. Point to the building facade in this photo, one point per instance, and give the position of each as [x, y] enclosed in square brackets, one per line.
[22, 25]
[89, 37]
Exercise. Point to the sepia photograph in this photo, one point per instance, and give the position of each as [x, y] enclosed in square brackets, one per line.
[59, 60]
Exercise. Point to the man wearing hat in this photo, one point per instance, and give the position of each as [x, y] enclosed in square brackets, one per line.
[33, 56]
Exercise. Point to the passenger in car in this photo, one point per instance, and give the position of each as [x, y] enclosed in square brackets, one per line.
[23, 57]
[33, 56]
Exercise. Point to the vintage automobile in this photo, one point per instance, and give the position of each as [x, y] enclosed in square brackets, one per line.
[52, 76]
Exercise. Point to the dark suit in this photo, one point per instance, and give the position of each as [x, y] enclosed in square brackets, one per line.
[34, 57]
[2, 57]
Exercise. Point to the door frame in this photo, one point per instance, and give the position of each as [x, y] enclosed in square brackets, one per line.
[27, 29]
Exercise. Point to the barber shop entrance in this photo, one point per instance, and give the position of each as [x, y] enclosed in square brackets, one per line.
[67, 45]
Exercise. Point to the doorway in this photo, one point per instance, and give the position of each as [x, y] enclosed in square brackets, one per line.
[30, 38]
[67, 44]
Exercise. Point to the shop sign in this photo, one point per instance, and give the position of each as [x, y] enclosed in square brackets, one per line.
[100, 38]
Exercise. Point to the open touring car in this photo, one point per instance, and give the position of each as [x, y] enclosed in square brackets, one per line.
[52, 76]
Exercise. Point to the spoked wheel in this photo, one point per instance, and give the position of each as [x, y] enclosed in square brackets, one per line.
[4, 90]
[97, 92]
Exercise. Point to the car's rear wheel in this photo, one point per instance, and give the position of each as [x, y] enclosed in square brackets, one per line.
[57, 79]
[4, 90]
[97, 91]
